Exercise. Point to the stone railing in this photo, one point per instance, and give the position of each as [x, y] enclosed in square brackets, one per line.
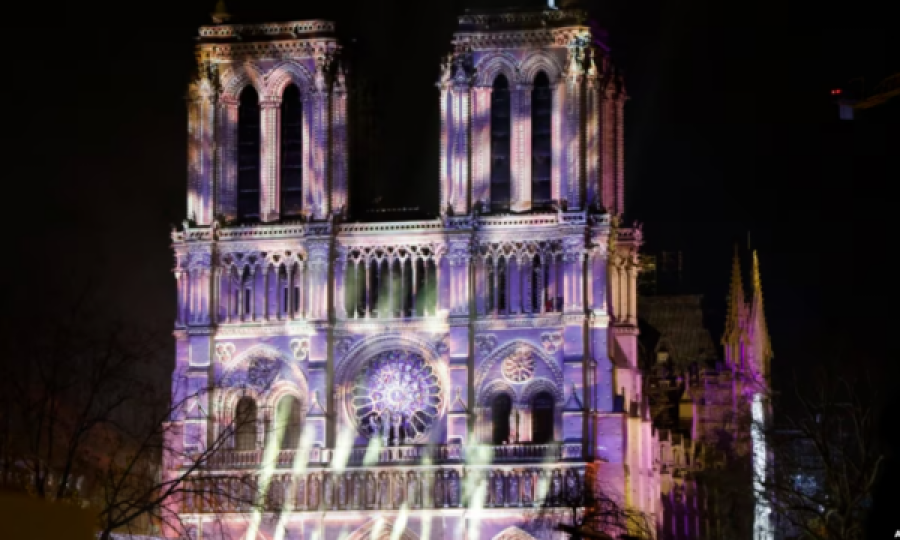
[362, 456]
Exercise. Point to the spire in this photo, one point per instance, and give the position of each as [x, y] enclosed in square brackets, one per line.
[736, 306]
[220, 15]
[762, 346]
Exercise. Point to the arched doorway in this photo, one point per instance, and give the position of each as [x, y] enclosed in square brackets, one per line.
[542, 412]
[501, 407]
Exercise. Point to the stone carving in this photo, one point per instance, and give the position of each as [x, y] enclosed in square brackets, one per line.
[485, 343]
[526, 488]
[329, 492]
[552, 341]
[342, 491]
[357, 491]
[371, 496]
[314, 492]
[453, 488]
[384, 490]
[518, 367]
[263, 371]
[499, 499]
[300, 348]
[412, 485]
[224, 352]
[398, 389]
[514, 488]
[342, 345]
[439, 489]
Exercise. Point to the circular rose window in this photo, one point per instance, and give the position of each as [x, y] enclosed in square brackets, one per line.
[396, 396]
[519, 366]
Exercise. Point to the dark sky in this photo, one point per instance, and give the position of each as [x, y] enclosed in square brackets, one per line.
[729, 130]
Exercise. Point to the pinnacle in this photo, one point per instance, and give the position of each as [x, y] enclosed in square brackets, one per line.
[220, 15]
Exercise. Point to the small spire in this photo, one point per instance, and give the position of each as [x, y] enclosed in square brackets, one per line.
[220, 15]
[736, 301]
[763, 344]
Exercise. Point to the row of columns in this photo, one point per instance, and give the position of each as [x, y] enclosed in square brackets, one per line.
[365, 289]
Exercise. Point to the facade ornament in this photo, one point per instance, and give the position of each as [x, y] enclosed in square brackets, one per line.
[300, 348]
[552, 341]
[224, 352]
[485, 343]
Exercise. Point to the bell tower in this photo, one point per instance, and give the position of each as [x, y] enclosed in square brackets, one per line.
[267, 123]
[531, 115]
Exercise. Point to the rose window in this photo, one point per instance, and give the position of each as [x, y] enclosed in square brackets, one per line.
[519, 366]
[397, 388]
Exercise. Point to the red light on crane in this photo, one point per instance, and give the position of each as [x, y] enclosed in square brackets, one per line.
[836, 92]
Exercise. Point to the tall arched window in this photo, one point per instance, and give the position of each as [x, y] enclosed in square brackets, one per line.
[291, 152]
[541, 147]
[248, 155]
[501, 407]
[500, 144]
[245, 424]
[542, 418]
[287, 422]
[501, 284]
[537, 284]
[490, 285]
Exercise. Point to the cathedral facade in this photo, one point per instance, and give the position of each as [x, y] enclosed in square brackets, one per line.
[434, 378]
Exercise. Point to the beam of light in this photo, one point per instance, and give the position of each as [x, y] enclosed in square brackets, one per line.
[373, 452]
[400, 523]
[343, 447]
[474, 487]
[761, 528]
[298, 469]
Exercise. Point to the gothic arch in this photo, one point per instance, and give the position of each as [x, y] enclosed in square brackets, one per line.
[283, 74]
[502, 352]
[495, 388]
[541, 61]
[493, 64]
[538, 385]
[236, 77]
[287, 377]
[380, 529]
[512, 533]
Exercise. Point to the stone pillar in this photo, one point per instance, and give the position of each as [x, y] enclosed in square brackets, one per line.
[201, 151]
[340, 186]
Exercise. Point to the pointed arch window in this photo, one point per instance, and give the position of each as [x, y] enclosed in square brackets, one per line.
[288, 422]
[291, 152]
[542, 412]
[500, 144]
[245, 424]
[541, 146]
[248, 155]
[501, 407]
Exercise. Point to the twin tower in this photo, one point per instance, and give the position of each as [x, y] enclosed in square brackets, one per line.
[531, 117]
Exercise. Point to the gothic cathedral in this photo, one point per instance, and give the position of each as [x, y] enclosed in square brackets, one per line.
[453, 377]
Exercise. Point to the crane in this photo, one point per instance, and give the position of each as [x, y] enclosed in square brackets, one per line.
[884, 91]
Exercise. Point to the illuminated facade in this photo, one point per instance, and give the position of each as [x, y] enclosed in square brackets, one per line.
[411, 379]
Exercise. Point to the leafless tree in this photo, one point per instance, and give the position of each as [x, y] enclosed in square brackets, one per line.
[826, 456]
[84, 420]
[589, 510]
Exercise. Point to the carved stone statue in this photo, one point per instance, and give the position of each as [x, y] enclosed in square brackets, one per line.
[384, 490]
[411, 490]
[329, 492]
[499, 499]
[356, 497]
[513, 489]
[571, 486]
[398, 490]
[526, 488]
[438, 489]
[453, 488]
[342, 491]
[370, 490]
[314, 492]
[555, 486]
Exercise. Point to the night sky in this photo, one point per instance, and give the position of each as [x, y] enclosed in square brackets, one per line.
[730, 130]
